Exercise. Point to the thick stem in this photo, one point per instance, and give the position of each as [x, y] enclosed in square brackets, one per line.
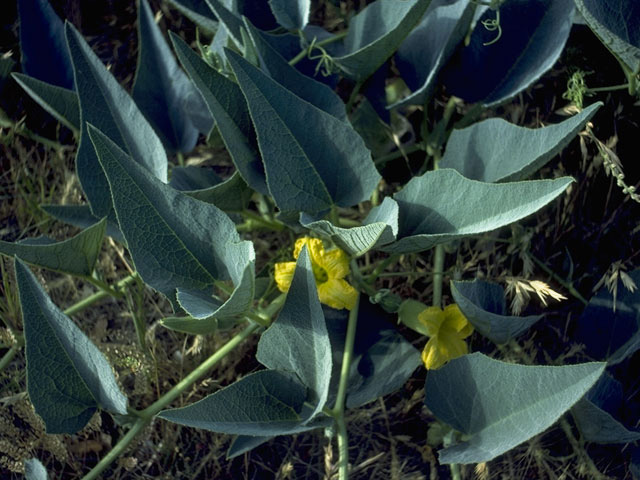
[96, 297]
[438, 268]
[338, 410]
[257, 219]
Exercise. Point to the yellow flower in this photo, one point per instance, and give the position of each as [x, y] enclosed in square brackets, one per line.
[447, 330]
[329, 268]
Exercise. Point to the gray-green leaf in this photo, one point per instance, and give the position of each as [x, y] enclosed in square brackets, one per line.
[175, 240]
[442, 205]
[230, 111]
[304, 172]
[379, 228]
[484, 306]
[34, 470]
[501, 405]
[291, 14]
[59, 102]
[106, 105]
[298, 340]
[80, 216]
[477, 153]
[376, 32]
[67, 376]
[75, 256]
[264, 403]
[162, 91]
[199, 12]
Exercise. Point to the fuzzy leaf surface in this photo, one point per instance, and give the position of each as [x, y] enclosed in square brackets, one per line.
[162, 91]
[442, 205]
[68, 378]
[75, 256]
[229, 109]
[107, 106]
[263, 403]
[34, 470]
[298, 341]
[484, 306]
[198, 11]
[308, 173]
[376, 32]
[533, 36]
[80, 216]
[291, 14]
[175, 240]
[501, 405]
[59, 102]
[518, 153]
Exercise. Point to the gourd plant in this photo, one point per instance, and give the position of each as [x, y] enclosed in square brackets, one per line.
[307, 162]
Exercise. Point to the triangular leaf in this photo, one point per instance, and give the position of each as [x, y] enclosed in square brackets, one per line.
[427, 48]
[492, 68]
[67, 376]
[305, 172]
[230, 111]
[245, 443]
[175, 240]
[44, 50]
[291, 14]
[229, 20]
[484, 306]
[615, 23]
[75, 256]
[162, 91]
[376, 32]
[105, 104]
[442, 205]
[198, 11]
[500, 404]
[379, 228]
[298, 340]
[59, 102]
[267, 402]
[80, 216]
[274, 65]
[469, 152]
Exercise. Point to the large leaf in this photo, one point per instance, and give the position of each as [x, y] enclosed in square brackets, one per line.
[519, 151]
[298, 340]
[68, 378]
[274, 65]
[268, 402]
[291, 14]
[231, 195]
[59, 102]
[379, 228]
[615, 22]
[174, 240]
[533, 36]
[229, 20]
[162, 91]
[376, 32]
[304, 172]
[198, 11]
[425, 51]
[34, 470]
[484, 306]
[610, 327]
[107, 106]
[442, 205]
[75, 256]
[229, 109]
[501, 405]
[44, 50]
[80, 216]
[594, 414]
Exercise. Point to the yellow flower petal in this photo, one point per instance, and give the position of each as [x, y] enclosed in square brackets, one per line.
[432, 318]
[284, 274]
[454, 318]
[432, 355]
[338, 294]
[336, 263]
[315, 247]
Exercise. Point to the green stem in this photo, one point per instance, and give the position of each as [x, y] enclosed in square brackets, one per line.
[271, 224]
[102, 286]
[570, 288]
[613, 88]
[96, 297]
[7, 357]
[381, 267]
[338, 410]
[438, 270]
[353, 96]
[146, 415]
[180, 159]
[321, 43]
[397, 154]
